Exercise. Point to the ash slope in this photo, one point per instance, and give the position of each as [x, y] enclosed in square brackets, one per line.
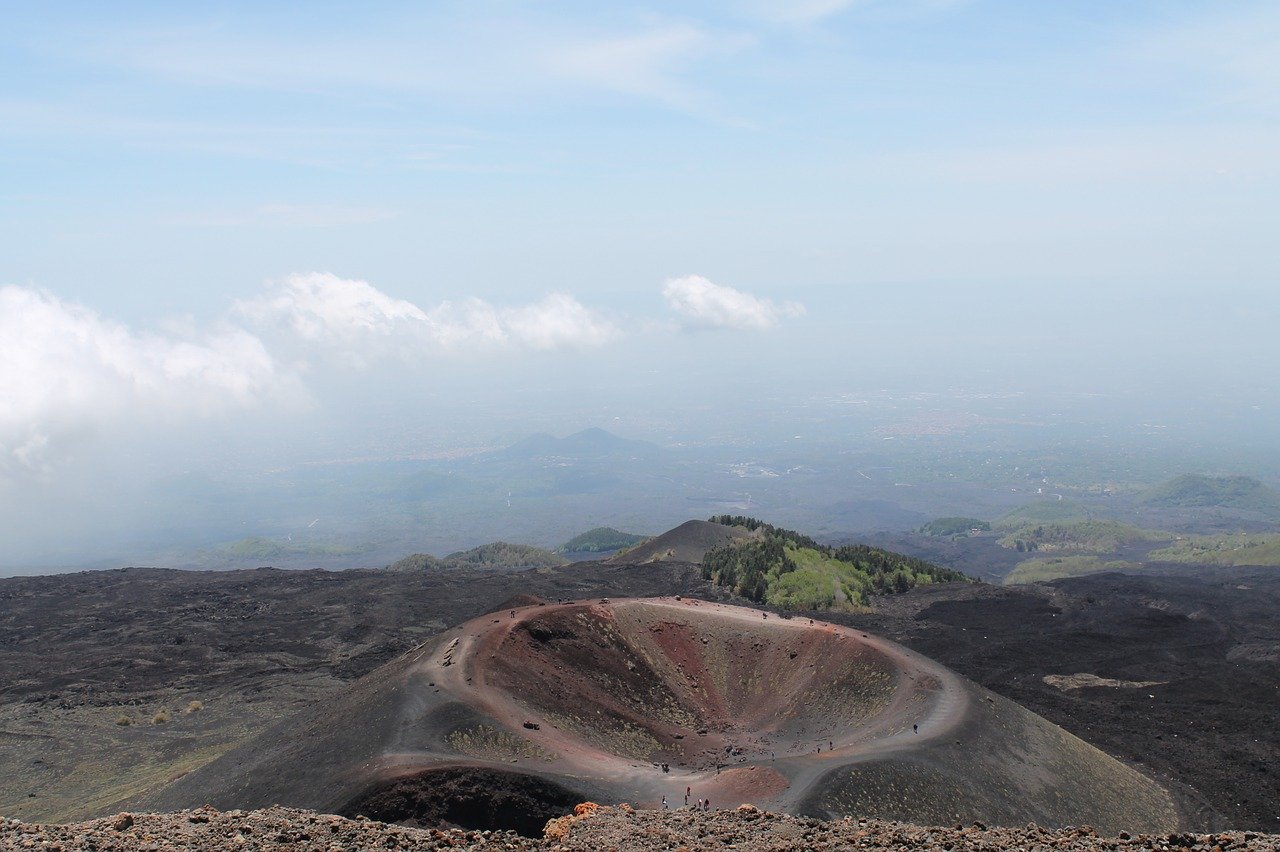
[582, 700]
[688, 542]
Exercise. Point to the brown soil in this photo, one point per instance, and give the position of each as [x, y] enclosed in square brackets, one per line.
[595, 830]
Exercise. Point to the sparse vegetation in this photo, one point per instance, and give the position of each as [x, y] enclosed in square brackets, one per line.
[260, 548]
[1097, 536]
[416, 562]
[488, 742]
[601, 540]
[1043, 512]
[946, 527]
[792, 571]
[160, 717]
[498, 554]
[194, 707]
[1055, 568]
[1194, 490]
[1238, 549]
[123, 721]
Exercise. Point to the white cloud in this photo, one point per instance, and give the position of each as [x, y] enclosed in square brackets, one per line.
[557, 322]
[702, 303]
[65, 371]
[319, 307]
[363, 322]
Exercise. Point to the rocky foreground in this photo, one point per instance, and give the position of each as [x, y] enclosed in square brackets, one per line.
[591, 829]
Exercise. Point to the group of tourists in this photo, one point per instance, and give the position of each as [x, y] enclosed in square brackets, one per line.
[699, 805]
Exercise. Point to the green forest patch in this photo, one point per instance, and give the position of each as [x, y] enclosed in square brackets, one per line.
[1194, 490]
[948, 527]
[1042, 512]
[792, 571]
[498, 554]
[601, 540]
[1095, 536]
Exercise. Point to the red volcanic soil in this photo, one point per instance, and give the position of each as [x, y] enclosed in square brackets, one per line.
[700, 686]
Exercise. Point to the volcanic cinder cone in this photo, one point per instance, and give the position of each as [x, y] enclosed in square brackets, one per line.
[516, 715]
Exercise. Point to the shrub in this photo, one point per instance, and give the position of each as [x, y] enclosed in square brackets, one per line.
[195, 707]
[160, 718]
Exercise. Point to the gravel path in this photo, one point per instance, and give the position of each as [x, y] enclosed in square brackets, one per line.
[592, 830]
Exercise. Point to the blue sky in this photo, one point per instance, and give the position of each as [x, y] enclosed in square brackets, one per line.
[965, 182]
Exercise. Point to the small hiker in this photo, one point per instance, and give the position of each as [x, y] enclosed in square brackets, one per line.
[687, 791]
[915, 729]
[664, 803]
[706, 804]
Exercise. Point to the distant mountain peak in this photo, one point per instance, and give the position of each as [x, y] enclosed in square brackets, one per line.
[590, 441]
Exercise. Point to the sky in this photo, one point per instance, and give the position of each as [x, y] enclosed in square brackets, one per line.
[223, 215]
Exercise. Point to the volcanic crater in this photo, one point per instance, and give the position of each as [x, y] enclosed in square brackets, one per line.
[522, 711]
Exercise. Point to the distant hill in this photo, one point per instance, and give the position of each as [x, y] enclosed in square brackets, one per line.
[1096, 536]
[587, 444]
[1042, 512]
[600, 540]
[258, 547]
[498, 554]
[1240, 549]
[954, 526]
[1195, 490]
[688, 542]
[792, 571]
[416, 562]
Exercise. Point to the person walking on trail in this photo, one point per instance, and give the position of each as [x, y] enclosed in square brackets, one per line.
[664, 803]
[915, 729]
[687, 791]
[706, 804]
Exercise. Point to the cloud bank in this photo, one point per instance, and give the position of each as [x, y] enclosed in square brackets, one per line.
[63, 369]
[324, 310]
[703, 304]
[67, 373]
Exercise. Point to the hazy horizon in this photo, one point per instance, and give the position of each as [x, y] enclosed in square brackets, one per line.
[236, 241]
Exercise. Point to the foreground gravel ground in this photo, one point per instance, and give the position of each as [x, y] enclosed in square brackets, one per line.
[592, 830]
